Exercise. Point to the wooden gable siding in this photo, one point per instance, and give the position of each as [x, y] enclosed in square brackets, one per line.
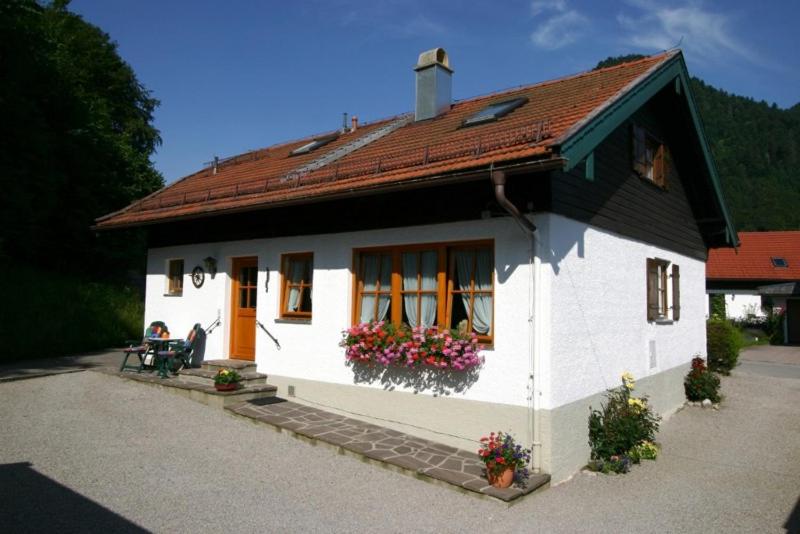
[618, 200]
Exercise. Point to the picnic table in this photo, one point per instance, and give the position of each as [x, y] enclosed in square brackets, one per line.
[157, 345]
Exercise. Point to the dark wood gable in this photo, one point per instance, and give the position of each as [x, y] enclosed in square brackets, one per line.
[614, 195]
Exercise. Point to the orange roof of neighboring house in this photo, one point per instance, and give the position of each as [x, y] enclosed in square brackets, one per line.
[416, 150]
[753, 259]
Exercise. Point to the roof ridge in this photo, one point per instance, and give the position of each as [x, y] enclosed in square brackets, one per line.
[544, 83]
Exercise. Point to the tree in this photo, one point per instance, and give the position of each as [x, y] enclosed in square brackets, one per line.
[76, 137]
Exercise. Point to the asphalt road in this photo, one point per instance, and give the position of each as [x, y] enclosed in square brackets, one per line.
[89, 452]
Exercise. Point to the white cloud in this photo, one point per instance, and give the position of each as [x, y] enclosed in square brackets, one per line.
[559, 26]
[539, 6]
[704, 34]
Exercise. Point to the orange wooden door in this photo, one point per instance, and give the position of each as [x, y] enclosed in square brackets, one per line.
[243, 303]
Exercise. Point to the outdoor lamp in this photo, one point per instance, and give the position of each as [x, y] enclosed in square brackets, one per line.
[211, 265]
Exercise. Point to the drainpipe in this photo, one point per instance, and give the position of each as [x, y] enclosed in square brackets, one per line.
[499, 181]
[534, 313]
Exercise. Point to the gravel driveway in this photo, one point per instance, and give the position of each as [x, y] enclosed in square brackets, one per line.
[89, 452]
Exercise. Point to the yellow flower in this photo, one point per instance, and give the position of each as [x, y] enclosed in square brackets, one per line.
[628, 381]
[637, 404]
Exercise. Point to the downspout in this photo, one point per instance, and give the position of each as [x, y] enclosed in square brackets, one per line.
[534, 313]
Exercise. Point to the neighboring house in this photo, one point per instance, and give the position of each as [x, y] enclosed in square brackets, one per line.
[417, 219]
[761, 275]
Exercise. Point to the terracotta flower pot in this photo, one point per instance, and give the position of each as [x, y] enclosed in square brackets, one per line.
[227, 387]
[502, 480]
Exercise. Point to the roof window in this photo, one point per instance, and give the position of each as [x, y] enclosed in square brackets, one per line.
[779, 262]
[492, 112]
[313, 145]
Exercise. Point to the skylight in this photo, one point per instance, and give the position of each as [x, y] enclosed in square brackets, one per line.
[779, 262]
[313, 145]
[492, 112]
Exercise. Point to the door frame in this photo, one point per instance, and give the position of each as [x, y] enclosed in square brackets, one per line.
[233, 294]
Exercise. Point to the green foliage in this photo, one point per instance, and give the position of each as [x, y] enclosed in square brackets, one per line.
[616, 60]
[621, 423]
[227, 376]
[50, 314]
[77, 139]
[700, 383]
[645, 450]
[722, 345]
[775, 322]
[757, 150]
[717, 306]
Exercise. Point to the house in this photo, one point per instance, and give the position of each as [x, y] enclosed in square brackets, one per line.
[762, 274]
[566, 223]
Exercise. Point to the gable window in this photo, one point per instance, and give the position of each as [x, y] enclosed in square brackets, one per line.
[779, 262]
[663, 290]
[175, 277]
[297, 272]
[492, 112]
[648, 156]
[445, 285]
[313, 145]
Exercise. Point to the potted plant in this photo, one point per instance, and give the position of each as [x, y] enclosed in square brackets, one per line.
[505, 460]
[227, 380]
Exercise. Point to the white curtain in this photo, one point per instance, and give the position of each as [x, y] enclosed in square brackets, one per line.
[430, 269]
[481, 260]
[410, 271]
[296, 271]
[427, 264]
[375, 267]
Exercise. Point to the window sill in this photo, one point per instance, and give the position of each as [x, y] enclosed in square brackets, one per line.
[663, 321]
[293, 320]
[662, 187]
[173, 294]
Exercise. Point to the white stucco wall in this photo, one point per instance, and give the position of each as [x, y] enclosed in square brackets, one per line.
[595, 282]
[311, 351]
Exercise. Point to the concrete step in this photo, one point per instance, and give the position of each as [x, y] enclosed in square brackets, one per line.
[206, 377]
[199, 392]
[241, 366]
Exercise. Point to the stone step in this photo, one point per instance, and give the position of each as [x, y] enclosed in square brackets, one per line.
[241, 366]
[206, 377]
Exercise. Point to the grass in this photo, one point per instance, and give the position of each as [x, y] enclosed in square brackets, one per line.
[752, 336]
[50, 314]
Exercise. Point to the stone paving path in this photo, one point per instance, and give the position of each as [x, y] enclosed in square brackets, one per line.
[410, 453]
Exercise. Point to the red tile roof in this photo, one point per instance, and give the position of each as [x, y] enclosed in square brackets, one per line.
[417, 150]
[753, 259]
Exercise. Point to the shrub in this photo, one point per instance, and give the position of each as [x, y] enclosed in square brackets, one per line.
[775, 328]
[646, 450]
[717, 306]
[722, 345]
[54, 314]
[621, 424]
[701, 383]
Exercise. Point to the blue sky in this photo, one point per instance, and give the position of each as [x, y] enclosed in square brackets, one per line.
[237, 75]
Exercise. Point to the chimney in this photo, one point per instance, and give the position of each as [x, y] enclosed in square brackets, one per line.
[434, 83]
[354, 124]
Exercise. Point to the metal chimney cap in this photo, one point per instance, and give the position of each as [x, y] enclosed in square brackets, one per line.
[435, 56]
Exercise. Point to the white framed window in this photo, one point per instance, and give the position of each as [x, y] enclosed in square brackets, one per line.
[663, 290]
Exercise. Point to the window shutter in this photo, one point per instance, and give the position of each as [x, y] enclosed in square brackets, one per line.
[652, 290]
[658, 166]
[676, 292]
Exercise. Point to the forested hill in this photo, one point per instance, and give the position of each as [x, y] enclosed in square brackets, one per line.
[757, 150]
